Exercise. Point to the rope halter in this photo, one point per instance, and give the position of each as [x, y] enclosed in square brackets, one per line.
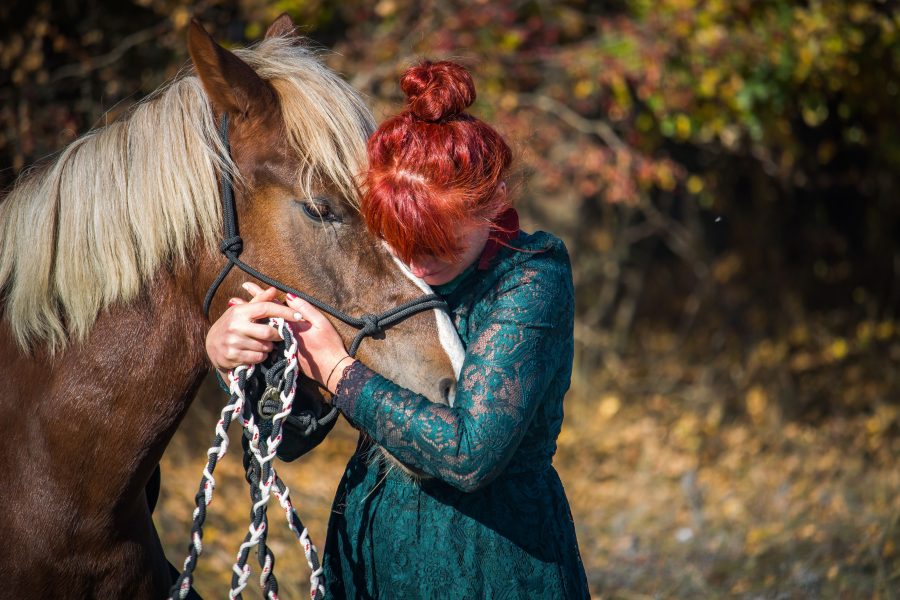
[232, 245]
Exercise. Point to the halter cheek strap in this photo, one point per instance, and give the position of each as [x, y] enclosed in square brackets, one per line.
[232, 245]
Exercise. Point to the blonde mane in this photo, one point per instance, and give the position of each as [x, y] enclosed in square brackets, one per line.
[123, 201]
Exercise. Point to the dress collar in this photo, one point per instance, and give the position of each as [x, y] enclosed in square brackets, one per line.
[506, 229]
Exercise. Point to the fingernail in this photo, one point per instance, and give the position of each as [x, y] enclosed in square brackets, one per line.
[298, 316]
[290, 296]
[245, 284]
[231, 303]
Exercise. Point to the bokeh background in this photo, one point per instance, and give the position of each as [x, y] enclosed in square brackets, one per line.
[725, 175]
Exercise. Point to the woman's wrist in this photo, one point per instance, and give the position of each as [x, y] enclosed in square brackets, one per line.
[337, 372]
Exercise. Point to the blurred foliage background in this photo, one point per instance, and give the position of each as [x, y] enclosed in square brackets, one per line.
[725, 174]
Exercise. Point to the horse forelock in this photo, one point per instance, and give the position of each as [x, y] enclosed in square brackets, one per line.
[326, 120]
[93, 226]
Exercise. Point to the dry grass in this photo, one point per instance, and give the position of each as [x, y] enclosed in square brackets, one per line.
[681, 484]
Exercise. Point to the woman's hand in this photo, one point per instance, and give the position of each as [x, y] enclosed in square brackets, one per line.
[321, 351]
[237, 338]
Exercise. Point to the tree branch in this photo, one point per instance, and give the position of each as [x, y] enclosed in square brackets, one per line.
[81, 69]
[574, 120]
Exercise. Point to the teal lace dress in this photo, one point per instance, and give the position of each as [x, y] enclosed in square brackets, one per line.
[491, 519]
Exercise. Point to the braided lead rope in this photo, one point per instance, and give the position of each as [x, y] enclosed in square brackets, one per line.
[317, 588]
[262, 452]
[256, 536]
[267, 578]
[263, 479]
[260, 492]
[204, 496]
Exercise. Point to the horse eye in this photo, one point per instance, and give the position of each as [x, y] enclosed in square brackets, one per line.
[319, 211]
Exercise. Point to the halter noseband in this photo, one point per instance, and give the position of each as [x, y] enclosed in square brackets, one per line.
[232, 245]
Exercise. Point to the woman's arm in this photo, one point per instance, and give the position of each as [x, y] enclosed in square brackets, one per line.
[508, 367]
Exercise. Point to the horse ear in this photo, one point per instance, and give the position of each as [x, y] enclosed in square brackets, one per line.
[230, 83]
[283, 26]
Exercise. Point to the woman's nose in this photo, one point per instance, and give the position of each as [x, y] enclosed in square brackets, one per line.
[422, 266]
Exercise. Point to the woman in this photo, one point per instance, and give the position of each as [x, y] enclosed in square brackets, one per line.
[490, 519]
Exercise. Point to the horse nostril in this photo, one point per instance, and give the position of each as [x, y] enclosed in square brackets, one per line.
[447, 390]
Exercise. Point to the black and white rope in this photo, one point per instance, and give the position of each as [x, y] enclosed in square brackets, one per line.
[260, 450]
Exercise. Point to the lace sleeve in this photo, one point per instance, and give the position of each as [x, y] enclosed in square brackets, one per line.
[349, 387]
[508, 366]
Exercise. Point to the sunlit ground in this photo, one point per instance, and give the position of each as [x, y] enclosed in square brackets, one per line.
[680, 487]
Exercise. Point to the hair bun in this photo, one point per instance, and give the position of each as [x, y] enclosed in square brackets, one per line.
[436, 91]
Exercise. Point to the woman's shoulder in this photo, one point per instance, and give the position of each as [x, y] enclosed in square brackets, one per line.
[541, 251]
[530, 285]
[532, 265]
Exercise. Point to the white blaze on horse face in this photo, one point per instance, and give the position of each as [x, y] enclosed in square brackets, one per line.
[446, 331]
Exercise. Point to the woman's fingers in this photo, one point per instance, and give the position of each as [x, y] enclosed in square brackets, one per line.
[246, 357]
[259, 294]
[255, 311]
[308, 311]
[256, 331]
[240, 344]
[254, 290]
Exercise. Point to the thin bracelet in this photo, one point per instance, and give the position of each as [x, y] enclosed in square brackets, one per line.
[328, 379]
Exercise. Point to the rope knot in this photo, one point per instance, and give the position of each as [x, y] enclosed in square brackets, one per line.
[275, 375]
[232, 245]
[306, 421]
[371, 325]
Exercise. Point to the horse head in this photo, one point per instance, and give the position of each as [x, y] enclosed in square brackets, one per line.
[297, 151]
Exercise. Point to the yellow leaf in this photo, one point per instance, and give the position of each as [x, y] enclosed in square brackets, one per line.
[511, 40]
[799, 335]
[385, 8]
[609, 406]
[509, 101]
[694, 184]
[757, 402]
[864, 331]
[726, 267]
[838, 348]
[682, 126]
[583, 88]
[708, 82]
[180, 17]
[665, 177]
[732, 507]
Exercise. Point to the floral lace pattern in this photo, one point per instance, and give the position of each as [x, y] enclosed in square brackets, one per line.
[492, 519]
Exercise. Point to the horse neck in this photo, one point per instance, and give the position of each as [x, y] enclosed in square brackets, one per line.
[104, 410]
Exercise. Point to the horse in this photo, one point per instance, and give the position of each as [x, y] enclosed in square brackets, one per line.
[106, 252]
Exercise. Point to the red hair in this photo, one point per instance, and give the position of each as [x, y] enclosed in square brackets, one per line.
[433, 167]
